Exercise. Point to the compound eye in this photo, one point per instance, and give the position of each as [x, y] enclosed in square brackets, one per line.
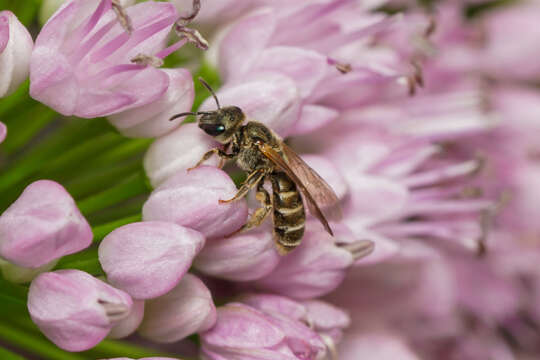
[213, 129]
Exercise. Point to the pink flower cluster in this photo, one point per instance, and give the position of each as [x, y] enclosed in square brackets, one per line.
[436, 255]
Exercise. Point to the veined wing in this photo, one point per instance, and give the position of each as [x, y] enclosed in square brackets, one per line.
[319, 195]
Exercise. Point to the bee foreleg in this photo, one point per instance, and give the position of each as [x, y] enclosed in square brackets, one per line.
[222, 154]
[252, 180]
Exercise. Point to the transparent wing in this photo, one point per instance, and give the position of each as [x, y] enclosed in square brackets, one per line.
[322, 201]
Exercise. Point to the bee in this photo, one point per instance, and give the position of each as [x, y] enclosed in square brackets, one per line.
[265, 157]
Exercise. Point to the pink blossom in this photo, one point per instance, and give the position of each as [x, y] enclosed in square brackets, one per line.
[147, 259]
[198, 191]
[82, 62]
[186, 309]
[242, 332]
[15, 48]
[75, 310]
[42, 225]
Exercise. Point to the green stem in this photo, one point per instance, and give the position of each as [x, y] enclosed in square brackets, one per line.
[8, 355]
[130, 187]
[102, 230]
[20, 95]
[67, 162]
[122, 152]
[34, 344]
[37, 157]
[90, 183]
[114, 348]
[21, 131]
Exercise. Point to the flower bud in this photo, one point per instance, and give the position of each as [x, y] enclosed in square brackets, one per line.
[147, 259]
[315, 268]
[127, 326]
[15, 49]
[241, 257]
[186, 309]
[191, 199]
[176, 152]
[75, 310]
[152, 120]
[42, 225]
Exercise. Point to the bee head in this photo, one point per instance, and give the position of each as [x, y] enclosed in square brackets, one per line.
[221, 124]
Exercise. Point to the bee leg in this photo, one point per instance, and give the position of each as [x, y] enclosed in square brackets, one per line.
[222, 154]
[261, 213]
[252, 180]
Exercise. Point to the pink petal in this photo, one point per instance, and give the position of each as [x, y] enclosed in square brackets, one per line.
[176, 152]
[314, 117]
[15, 49]
[240, 326]
[270, 98]
[243, 43]
[185, 310]
[128, 325]
[306, 68]
[152, 120]
[242, 257]
[198, 191]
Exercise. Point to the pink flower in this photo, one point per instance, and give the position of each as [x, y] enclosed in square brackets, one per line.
[82, 62]
[75, 310]
[191, 199]
[242, 332]
[15, 48]
[44, 224]
[147, 259]
[185, 310]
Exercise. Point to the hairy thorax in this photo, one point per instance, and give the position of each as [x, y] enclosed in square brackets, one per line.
[250, 157]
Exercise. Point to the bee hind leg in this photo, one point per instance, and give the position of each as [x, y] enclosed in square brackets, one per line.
[261, 213]
[252, 180]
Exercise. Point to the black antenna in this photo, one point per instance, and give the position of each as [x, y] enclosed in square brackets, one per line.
[205, 84]
[190, 113]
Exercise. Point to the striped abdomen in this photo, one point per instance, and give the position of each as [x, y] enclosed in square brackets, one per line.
[289, 214]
